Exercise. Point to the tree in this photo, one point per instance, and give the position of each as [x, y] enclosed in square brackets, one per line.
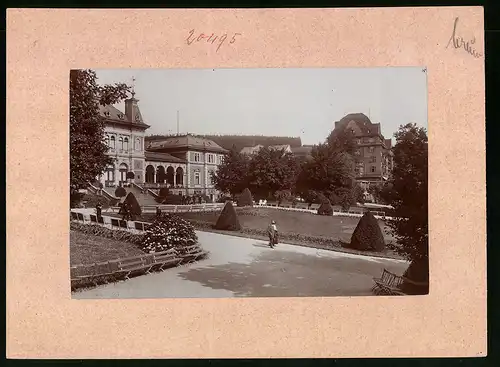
[231, 176]
[120, 192]
[88, 158]
[282, 195]
[329, 171]
[272, 170]
[409, 197]
[228, 220]
[367, 235]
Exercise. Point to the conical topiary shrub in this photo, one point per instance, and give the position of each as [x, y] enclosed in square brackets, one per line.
[133, 205]
[367, 236]
[245, 198]
[120, 192]
[325, 208]
[228, 220]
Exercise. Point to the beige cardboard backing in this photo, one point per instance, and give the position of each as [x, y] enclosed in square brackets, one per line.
[42, 320]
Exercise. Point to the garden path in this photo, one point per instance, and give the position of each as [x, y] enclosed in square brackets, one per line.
[242, 267]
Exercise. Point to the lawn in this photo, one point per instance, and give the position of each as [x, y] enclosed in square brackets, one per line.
[88, 249]
[298, 228]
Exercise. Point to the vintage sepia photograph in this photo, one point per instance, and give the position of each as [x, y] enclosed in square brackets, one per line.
[277, 182]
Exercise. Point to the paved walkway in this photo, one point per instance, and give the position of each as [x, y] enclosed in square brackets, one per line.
[241, 267]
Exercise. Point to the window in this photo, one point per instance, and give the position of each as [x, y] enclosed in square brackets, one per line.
[197, 176]
[120, 143]
[373, 159]
[137, 144]
[211, 158]
[220, 159]
[371, 149]
[112, 142]
[357, 152]
[106, 139]
[373, 169]
[196, 157]
[211, 175]
[359, 141]
[125, 144]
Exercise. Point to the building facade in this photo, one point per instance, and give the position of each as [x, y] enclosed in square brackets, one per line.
[183, 163]
[373, 155]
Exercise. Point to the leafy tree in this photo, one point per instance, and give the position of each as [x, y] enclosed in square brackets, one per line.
[271, 170]
[329, 171]
[409, 197]
[88, 149]
[231, 176]
[282, 195]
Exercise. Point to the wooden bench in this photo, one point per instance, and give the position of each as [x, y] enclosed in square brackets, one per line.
[165, 259]
[192, 253]
[388, 284]
[132, 265]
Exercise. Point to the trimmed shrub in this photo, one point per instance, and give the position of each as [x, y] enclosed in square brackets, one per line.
[245, 198]
[367, 235]
[173, 200]
[169, 231]
[418, 271]
[325, 208]
[228, 220]
[130, 175]
[133, 204]
[164, 192]
[96, 230]
[120, 192]
[223, 199]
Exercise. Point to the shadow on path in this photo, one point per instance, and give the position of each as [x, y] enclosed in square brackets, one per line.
[288, 274]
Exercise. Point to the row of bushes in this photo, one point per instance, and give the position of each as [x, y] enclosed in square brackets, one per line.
[97, 230]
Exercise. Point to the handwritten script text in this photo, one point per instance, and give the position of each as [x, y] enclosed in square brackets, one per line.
[459, 42]
[212, 39]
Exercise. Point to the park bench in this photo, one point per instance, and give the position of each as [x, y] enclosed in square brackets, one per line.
[192, 253]
[132, 265]
[165, 259]
[388, 284]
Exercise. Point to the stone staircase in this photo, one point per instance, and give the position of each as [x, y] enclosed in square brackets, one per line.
[143, 199]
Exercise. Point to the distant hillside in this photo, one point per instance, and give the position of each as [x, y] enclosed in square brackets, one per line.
[241, 141]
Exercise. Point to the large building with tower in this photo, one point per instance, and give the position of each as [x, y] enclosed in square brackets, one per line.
[373, 155]
[184, 163]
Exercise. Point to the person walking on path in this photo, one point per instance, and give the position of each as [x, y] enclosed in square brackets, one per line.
[272, 231]
[158, 211]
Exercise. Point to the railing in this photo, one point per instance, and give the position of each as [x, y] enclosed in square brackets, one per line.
[157, 185]
[177, 208]
[336, 212]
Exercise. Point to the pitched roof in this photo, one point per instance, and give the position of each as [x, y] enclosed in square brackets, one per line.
[162, 157]
[251, 150]
[111, 113]
[366, 127]
[279, 147]
[186, 142]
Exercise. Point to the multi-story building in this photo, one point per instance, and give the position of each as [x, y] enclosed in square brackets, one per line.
[373, 155]
[183, 163]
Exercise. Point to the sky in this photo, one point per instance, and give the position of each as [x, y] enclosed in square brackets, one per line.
[301, 103]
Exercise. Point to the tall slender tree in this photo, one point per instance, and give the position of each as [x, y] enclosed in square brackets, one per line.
[88, 149]
[409, 197]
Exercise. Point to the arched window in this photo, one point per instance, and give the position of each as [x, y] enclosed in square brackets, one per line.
[125, 144]
[197, 177]
[106, 140]
[137, 144]
[113, 142]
